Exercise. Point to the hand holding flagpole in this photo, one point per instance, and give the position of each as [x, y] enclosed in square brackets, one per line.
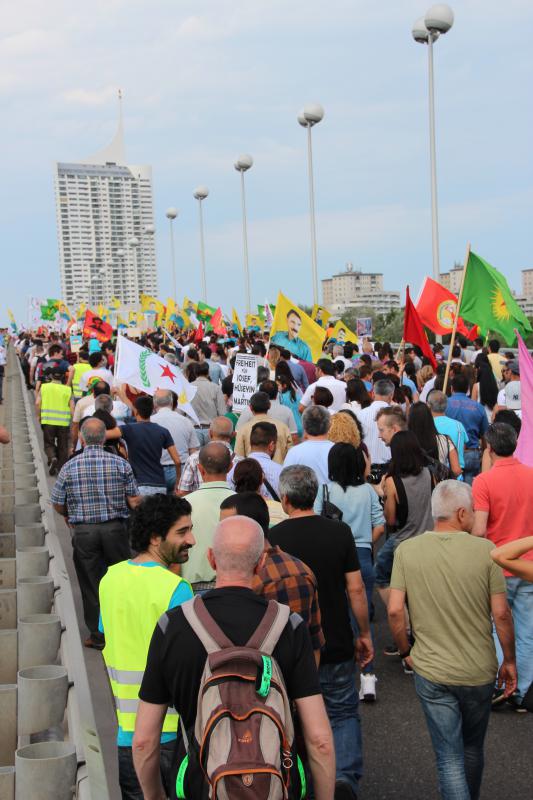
[456, 320]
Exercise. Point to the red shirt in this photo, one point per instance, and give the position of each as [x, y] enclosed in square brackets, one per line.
[506, 492]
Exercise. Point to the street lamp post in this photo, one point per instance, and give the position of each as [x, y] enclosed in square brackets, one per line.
[426, 30]
[171, 214]
[200, 194]
[133, 244]
[311, 115]
[242, 164]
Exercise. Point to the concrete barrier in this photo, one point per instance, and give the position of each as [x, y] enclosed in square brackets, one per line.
[32, 561]
[24, 496]
[7, 783]
[7, 545]
[46, 770]
[7, 503]
[28, 513]
[42, 698]
[34, 596]
[8, 609]
[7, 573]
[39, 639]
[30, 535]
[8, 657]
[7, 522]
[8, 723]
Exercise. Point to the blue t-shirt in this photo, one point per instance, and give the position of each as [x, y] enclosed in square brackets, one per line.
[471, 414]
[146, 442]
[410, 384]
[457, 433]
[360, 507]
[181, 594]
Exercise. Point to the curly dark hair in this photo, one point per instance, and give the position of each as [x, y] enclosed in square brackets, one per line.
[154, 516]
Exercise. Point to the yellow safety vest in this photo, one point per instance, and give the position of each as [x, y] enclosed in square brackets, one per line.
[132, 598]
[55, 404]
[77, 372]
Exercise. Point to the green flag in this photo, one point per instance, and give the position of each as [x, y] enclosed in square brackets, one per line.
[488, 302]
[204, 311]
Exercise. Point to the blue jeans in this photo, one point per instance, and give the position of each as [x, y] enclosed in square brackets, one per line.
[520, 599]
[472, 465]
[384, 562]
[337, 682]
[203, 435]
[144, 489]
[130, 788]
[457, 718]
[170, 477]
[364, 555]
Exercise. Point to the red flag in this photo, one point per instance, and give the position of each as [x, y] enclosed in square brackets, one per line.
[413, 330]
[437, 307]
[199, 335]
[96, 328]
[217, 323]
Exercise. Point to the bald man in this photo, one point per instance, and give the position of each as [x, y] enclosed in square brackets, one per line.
[176, 660]
[220, 430]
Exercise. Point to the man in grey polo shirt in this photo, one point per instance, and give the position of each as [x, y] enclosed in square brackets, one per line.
[208, 402]
[182, 432]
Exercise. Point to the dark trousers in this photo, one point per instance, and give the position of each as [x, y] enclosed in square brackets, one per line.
[1, 382]
[96, 547]
[127, 777]
[56, 443]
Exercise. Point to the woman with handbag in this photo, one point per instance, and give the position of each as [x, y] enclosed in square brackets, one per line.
[347, 496]
[437, 446]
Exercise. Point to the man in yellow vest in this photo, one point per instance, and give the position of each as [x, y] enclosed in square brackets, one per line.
[133, 596]
[76, 371]
[54, 406]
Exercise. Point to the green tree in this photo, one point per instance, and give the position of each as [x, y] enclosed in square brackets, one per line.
[385, 327]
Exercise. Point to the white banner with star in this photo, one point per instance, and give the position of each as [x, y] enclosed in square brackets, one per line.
[145, 370]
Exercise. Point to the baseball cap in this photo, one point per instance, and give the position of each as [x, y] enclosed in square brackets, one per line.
[514, 366]
[513, 400]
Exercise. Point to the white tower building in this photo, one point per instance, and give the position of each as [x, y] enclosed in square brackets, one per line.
[105, 224]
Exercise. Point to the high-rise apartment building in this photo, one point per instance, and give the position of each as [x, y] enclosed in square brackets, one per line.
[527, 283]
[354, 288]
[105, 223]
[452, 279]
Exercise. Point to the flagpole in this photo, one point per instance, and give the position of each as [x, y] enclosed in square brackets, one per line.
[456, 320]
[401, 347]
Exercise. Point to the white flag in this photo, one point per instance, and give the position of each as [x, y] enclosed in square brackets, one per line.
[145, 370]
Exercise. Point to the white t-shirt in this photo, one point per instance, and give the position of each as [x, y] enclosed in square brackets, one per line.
[102, 372]
[182, 432]
[510, 397]
[336, 387]
[120, 411]
[378, 450]
[312, 453]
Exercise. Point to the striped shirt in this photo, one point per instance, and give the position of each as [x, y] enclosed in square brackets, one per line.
[94, 486]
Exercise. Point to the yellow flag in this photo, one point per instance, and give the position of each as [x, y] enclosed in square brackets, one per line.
[121, 322]
[133, 319]
[253, 321]
[343, 334]
[188, 305]
[235, 321]
[320, 315]
[295, 330]
[114, 303]
[149, 303]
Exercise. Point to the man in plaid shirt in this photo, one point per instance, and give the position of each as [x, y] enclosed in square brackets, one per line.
[94, 492]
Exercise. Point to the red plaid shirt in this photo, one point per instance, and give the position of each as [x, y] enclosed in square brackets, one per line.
[289, 581]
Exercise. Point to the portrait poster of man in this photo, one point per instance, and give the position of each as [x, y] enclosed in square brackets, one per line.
[293, 329]
[342, 334]
[364, 326]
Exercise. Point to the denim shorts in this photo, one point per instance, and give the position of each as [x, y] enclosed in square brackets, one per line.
[384, 562]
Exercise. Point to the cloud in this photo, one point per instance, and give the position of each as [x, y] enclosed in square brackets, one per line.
[29, 42]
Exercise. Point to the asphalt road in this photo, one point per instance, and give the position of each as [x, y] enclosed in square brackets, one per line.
[398, 758]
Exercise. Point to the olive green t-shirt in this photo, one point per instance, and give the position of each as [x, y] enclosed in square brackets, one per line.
[449, 579]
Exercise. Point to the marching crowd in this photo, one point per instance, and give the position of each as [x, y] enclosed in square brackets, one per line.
[228, 563]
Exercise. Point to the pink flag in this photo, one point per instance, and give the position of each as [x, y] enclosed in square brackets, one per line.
[524, 450]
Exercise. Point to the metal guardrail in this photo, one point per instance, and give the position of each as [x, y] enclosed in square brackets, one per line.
[91, 782]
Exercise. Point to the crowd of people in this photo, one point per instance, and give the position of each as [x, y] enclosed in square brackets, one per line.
[220, 555]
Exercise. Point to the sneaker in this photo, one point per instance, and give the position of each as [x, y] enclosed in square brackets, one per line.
[367, 692]
[516, 704]
[95, 644]
[391, 650]
[406, 668]
[498, 697]
[53, 467]
[343, 791]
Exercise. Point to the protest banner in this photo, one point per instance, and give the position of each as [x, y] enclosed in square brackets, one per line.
[363, 326]
[244, 380]
[76, 342]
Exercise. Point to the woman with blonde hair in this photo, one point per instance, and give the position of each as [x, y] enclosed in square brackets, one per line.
[344, 429]
[424, 375]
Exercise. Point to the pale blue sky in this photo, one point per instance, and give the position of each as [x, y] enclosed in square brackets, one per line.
[204, 81]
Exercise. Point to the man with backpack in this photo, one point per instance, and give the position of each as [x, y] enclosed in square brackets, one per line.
[223, 661]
